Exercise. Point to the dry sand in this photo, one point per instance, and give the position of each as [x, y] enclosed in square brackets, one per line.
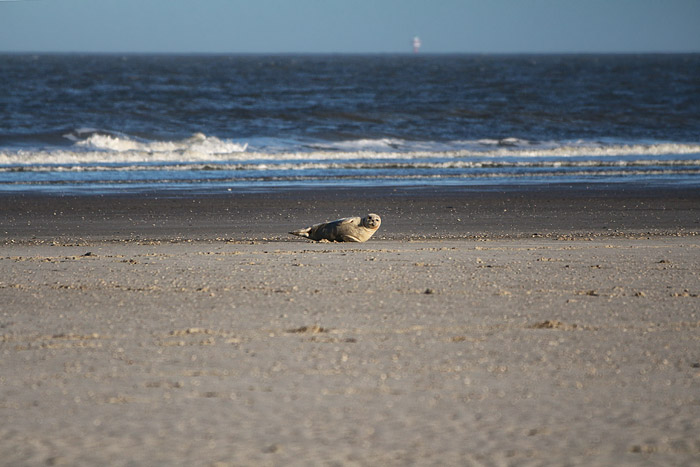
[564, 330]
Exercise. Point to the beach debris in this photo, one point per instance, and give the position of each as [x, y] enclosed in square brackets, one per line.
[313, 329]
[271, 449]
[348, 229]
[590, 293]
[561, 326]
[548, 324]
[554, 324]
[685, 293]
[190, 331]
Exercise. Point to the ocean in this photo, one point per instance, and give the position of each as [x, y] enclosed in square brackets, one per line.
[182, 124]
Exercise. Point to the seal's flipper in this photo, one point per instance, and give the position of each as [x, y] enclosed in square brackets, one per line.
[301, 232]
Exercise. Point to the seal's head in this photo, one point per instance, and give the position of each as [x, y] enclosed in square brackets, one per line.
[372, 221]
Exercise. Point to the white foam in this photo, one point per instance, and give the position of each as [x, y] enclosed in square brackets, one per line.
[101, 148]
[493, 165]
[376, 145]
[198, 144]
[512, 142]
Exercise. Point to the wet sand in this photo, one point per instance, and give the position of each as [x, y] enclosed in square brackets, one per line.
[516, 327]
[421, 212]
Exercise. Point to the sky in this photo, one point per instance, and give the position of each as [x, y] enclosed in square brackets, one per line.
[349, 26]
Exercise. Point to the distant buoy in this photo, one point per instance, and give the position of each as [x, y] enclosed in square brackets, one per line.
[416, 44]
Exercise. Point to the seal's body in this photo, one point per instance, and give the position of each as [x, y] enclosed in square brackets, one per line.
[349, 229]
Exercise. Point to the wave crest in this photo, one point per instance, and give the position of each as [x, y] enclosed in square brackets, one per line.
[197, 144]
[93, 147]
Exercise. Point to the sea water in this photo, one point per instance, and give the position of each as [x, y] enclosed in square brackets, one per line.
[96, 124]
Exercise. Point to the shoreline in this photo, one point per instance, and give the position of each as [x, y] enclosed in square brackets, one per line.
[418, 213]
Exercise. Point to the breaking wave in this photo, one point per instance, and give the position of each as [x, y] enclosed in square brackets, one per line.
[197, 144]
[97, 161]
[96, 147]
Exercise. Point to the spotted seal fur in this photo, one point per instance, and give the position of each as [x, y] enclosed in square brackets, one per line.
[348, 229]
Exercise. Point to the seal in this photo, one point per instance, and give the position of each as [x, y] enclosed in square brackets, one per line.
[348, 229]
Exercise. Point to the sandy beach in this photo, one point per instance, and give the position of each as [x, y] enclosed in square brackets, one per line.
[555, 326]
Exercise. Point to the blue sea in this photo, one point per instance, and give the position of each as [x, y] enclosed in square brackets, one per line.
[96, 124]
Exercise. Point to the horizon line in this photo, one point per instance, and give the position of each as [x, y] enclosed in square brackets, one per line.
[409, 53]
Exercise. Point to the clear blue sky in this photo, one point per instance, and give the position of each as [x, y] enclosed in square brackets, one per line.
[350, 26]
